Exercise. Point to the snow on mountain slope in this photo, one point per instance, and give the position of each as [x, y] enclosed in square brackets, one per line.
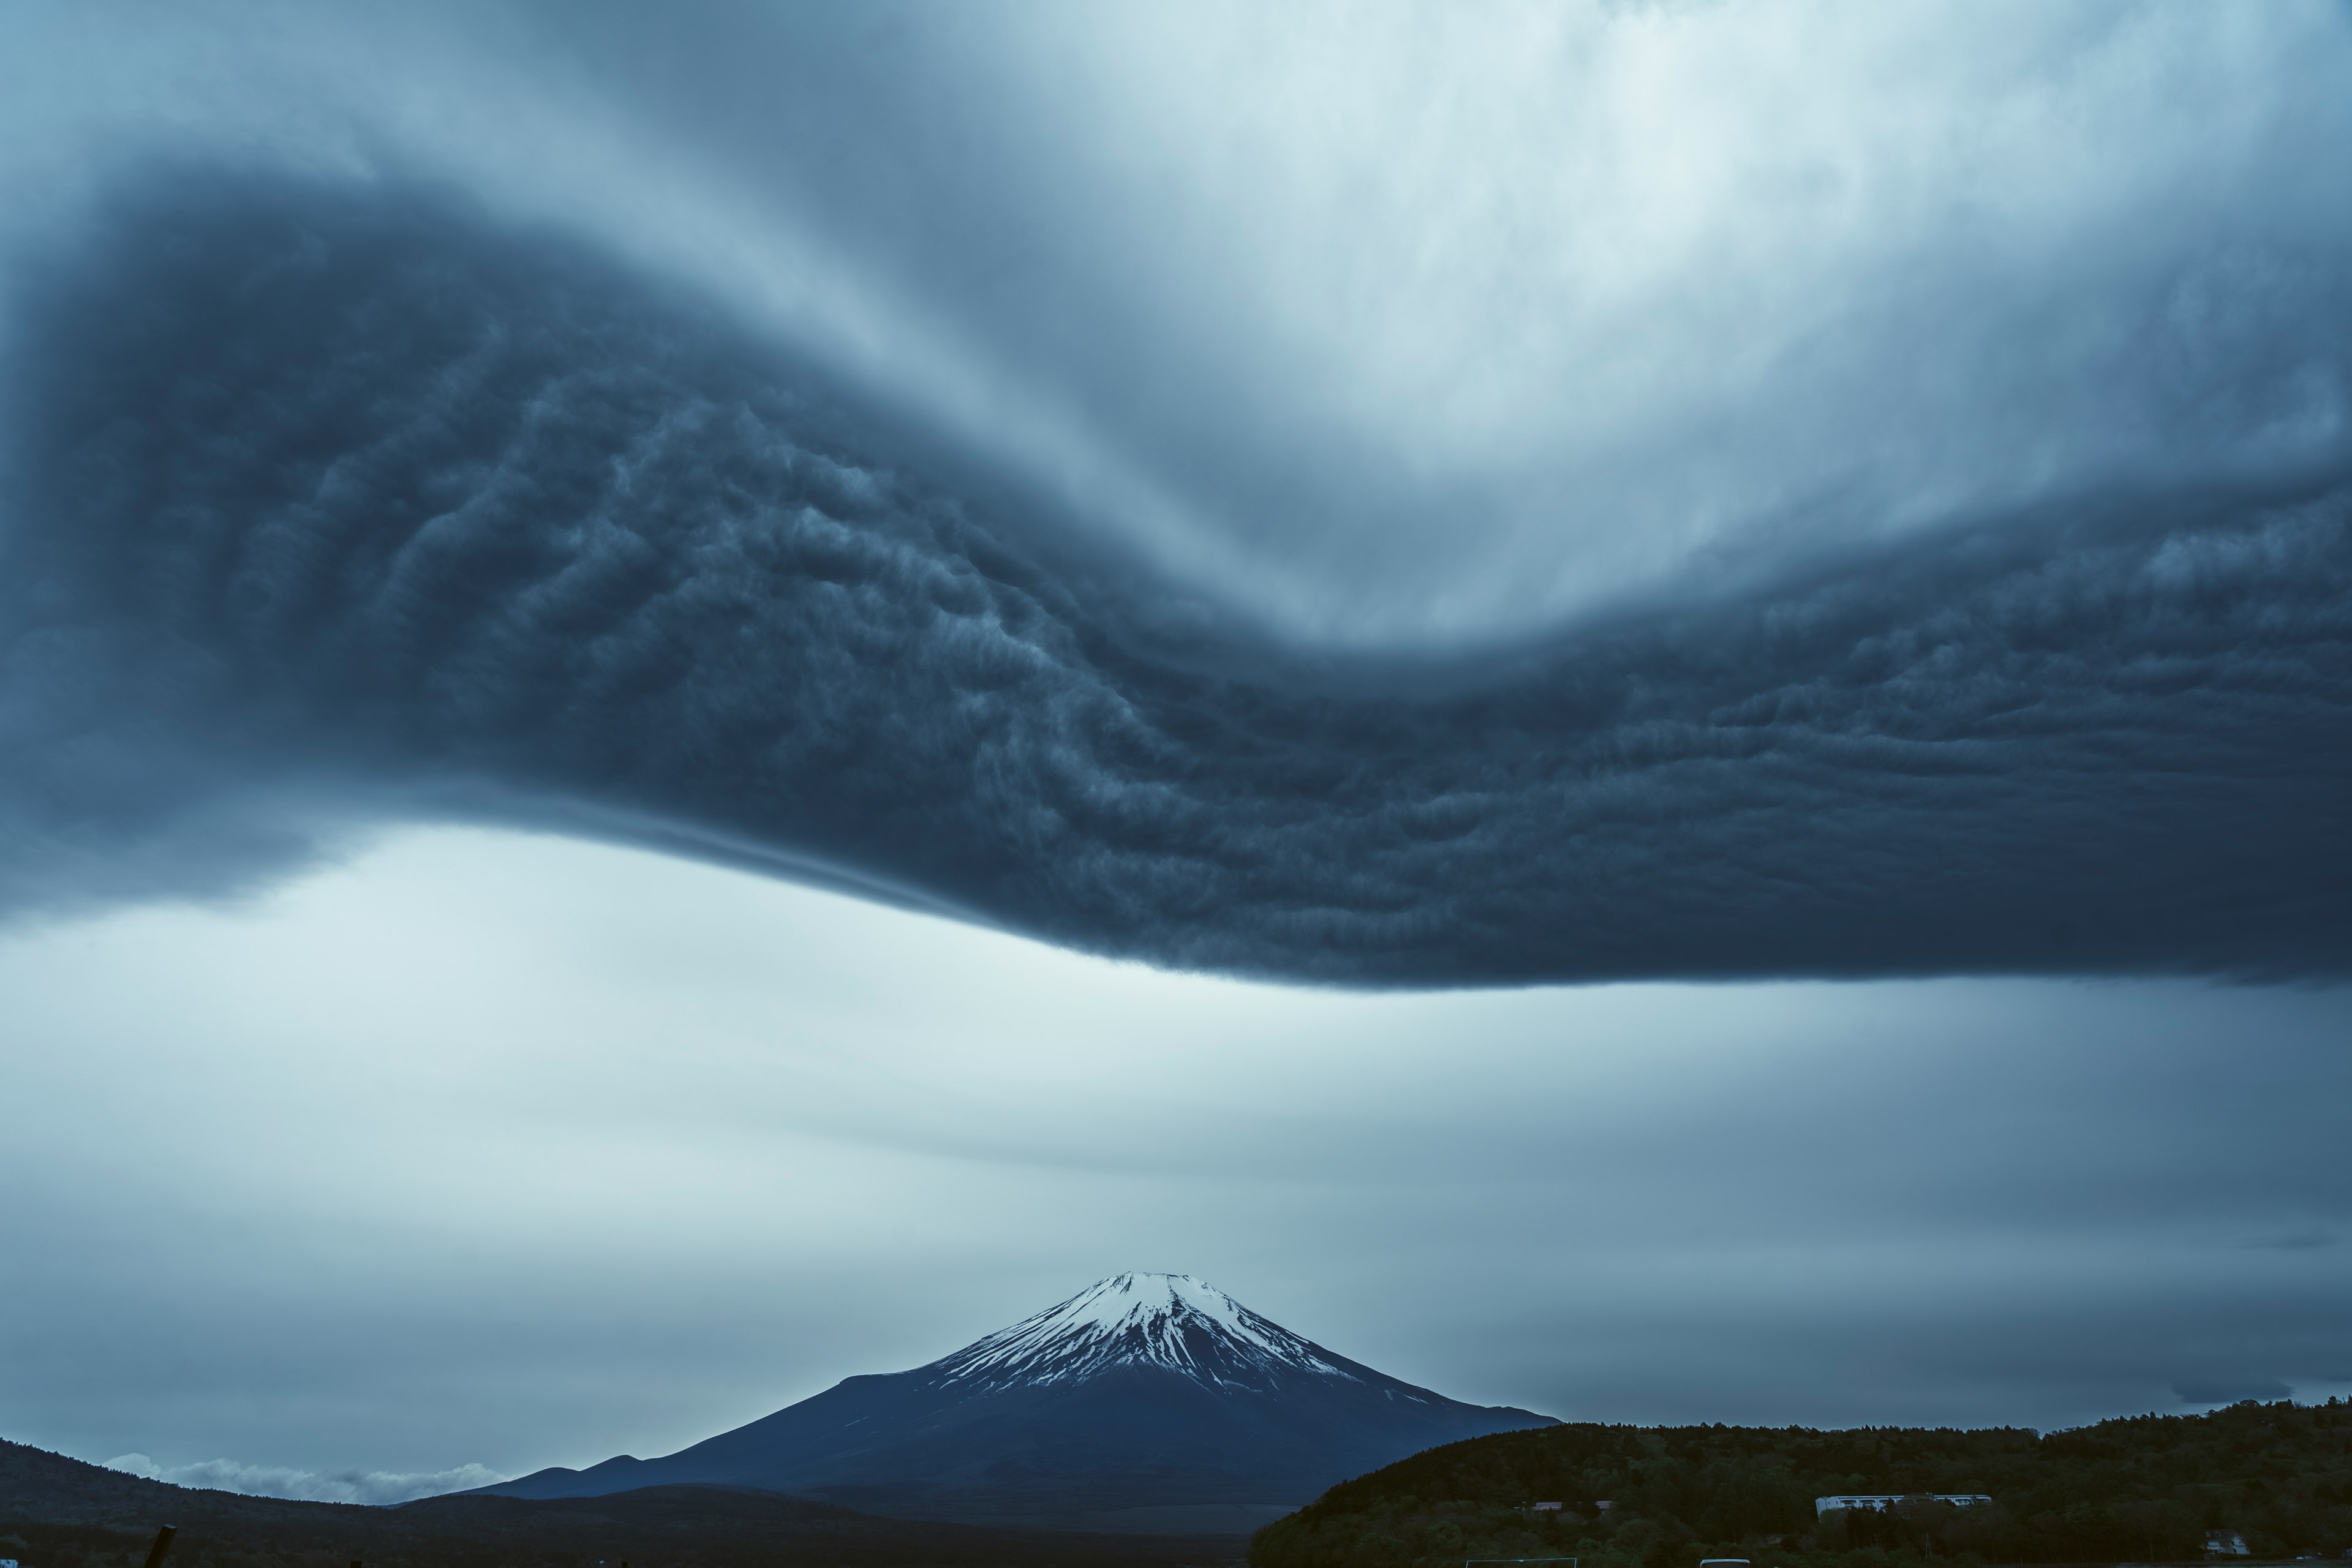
[1170, 1321]
[1144, 1391]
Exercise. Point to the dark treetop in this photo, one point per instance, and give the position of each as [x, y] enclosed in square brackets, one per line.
[2146, 1488]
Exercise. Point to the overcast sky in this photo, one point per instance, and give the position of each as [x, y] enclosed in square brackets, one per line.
[1640, 710]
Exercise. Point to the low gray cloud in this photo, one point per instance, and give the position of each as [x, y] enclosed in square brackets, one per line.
[374, 1487]
[2297, 1240]
[337, 501]
[2201, 1391]
[525, 1152]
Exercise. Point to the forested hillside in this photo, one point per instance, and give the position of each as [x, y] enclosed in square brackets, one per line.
[57, 1512]
[2143, 1489]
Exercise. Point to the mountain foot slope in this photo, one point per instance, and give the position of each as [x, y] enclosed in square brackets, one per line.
[1141, 1395]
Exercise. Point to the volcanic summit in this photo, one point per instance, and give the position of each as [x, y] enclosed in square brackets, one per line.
[1152, 1401]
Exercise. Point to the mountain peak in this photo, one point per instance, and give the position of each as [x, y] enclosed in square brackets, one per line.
[1174, 1322]
[1142, 1391]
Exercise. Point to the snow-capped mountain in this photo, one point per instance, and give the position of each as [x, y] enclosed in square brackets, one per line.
[1171, 1321]
[1146, 1400]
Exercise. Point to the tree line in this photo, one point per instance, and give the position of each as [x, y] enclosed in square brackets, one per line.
[2142, 1488]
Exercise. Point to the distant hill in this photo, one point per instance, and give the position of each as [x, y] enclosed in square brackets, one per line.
[57, 1512]
[1148, 1398]
[2146, 1489]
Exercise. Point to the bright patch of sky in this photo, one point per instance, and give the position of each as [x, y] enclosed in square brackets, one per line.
[514, 1150]
[1387, 325]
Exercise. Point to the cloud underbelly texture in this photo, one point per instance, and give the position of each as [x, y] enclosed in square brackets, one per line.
[345, 486]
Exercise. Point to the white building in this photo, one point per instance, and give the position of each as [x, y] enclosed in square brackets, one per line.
[1823, 1505]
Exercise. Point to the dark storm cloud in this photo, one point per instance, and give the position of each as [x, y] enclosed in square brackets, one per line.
[334, 503]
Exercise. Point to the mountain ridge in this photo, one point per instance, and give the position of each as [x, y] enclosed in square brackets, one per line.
[57, 1509]
[1143, 1393]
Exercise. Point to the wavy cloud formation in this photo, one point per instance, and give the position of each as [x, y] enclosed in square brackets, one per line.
[332, 501]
